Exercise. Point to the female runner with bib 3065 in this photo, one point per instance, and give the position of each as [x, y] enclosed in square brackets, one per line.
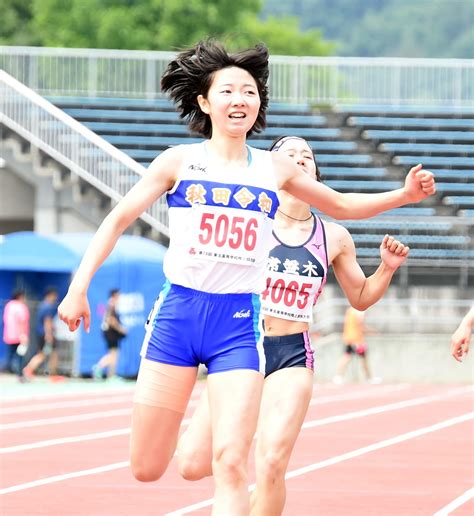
[222, 198]
[303, 247]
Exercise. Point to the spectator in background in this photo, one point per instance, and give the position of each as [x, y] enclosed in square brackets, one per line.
[113, 333]
[46, 346]
[16, 330]
[461, 338]
[354, 339]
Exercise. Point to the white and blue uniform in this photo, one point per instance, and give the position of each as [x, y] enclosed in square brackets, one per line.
[221, 232]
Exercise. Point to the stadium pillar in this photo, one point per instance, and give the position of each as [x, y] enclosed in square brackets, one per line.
[46, 208]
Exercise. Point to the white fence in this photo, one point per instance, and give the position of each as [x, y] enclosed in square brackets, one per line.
[73, 145]
[314, 80]
[396, 313]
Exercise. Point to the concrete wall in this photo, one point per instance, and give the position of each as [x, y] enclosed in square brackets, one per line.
[417, 358]
[28, 200]
[16, 203]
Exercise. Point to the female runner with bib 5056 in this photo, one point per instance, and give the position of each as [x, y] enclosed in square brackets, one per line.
[222, 198]
[303, 247]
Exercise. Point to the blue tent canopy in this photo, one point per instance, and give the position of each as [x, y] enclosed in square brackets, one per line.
[135, 266]
[29, 251]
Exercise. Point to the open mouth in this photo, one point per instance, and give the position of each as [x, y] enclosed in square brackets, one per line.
[237, 116]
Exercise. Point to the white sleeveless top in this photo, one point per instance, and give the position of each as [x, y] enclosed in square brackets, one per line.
[296, 276]
[220, 223]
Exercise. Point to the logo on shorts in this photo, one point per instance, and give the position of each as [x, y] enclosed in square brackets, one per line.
[243, 314]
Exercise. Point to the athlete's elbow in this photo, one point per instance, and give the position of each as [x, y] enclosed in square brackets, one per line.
[361, 304]
[341, 208]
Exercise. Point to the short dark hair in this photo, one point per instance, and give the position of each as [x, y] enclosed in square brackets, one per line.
[17, 293]
[113, 292]
[50, 290]
[276, 144]
[191, 73]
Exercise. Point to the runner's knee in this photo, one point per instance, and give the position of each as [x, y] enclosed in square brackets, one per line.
[146, 469]
[192, 467]
[230, 465]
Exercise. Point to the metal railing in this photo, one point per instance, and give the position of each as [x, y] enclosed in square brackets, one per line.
[73, 145]
[396, 314]
[313, 80]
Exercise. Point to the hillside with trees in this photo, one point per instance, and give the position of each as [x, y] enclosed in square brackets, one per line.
[400, 28]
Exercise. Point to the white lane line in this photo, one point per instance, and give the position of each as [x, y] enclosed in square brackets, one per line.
[116, 397]
[27, 398]
[309, 424]
[65, 476]
[65, 419]
[460, 500]
[344, 457]
[387, 408]
[69, 440]
[321, 400]
[65, 440]
[369, 393]
[65, 404]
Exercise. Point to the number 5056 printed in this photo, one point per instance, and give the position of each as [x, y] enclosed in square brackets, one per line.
[228, 237]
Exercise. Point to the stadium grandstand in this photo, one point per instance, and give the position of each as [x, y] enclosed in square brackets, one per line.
[78, 129]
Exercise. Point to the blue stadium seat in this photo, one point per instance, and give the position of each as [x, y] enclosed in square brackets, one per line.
[295, 120]
[182, 128]
[416, 239]
[304, 132]
[111, 102]
[123, 114]
[411, 136]
[398, 224]
[344, 159]
[131, 128]
[359, 172]
[455, 188]
[366, 186]
[410, 212]
[426, 148]
[158, 103]
[454, 175]
[430, 161]
[164, 141]
[287, 108]
[466, 213]
[384, 122]
[413, 110]
[162, 116]
[422, 253]
[460, 200]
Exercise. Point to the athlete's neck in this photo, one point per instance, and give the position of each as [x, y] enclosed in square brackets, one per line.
[225, 151]
[292, 210]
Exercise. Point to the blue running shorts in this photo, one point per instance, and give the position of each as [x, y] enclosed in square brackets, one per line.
[188, 327]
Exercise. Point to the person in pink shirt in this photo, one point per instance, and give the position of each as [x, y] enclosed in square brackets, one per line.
[16, 330]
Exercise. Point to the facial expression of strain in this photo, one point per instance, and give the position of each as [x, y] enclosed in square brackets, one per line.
[300, 152]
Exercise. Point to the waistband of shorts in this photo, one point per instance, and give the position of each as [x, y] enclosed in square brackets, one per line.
[215, 297]
[281, 340]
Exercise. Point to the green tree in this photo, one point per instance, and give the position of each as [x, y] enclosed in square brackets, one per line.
[282, 36]
[153, 25]
[15, 25]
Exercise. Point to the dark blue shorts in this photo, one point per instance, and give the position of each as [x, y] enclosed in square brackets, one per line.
[288, 351]
[188, 327]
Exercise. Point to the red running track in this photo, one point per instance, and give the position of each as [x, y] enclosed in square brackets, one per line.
[364, 450]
